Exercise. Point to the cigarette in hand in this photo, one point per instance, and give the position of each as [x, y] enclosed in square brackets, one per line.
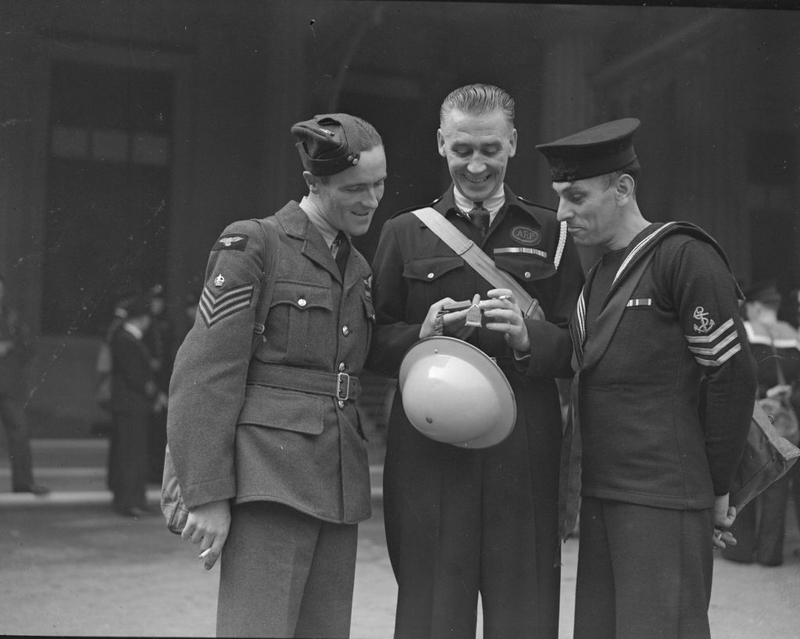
[204, 554]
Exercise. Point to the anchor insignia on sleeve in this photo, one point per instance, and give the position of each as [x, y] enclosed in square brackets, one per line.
[705, 324]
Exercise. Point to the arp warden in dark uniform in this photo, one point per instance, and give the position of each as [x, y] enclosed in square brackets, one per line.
[459, 521]
[269, 452]
[665, 393]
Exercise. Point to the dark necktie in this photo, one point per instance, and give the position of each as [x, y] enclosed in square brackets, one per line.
[342, 245]
[480, 218]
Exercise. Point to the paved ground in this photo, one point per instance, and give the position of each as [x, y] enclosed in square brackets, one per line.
[82, 570]
[69, 566]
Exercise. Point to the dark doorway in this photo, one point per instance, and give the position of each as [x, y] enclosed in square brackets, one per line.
[108, 185]
[772, 169]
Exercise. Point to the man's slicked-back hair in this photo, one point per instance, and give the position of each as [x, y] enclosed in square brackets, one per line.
[369, 137]
[478, 99]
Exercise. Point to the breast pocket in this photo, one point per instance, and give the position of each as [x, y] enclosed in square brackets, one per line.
[431, 269]
[432, 278]
[299, 317]
[525, 264]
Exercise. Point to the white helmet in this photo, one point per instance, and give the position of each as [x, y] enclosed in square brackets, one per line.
[454, 393]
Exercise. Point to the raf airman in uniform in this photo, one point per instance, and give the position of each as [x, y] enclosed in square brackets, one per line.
[269, 450]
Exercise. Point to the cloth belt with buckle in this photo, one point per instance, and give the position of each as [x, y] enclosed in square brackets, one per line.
[340, 386]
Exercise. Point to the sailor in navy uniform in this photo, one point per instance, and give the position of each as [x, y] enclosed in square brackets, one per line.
[665, 396]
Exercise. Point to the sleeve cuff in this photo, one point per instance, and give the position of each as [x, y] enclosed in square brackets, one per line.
[519, 356]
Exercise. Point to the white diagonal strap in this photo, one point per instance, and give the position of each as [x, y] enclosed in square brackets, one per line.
[477, 259]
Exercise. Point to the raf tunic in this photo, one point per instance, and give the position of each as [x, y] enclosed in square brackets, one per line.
[462, 521]
[665, 401]
[231, 438]
[278, 433]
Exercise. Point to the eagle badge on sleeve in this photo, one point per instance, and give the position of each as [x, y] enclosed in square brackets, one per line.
[231, 241]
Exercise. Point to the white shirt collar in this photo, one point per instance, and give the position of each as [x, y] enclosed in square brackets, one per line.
[329, 232]
[493, 204]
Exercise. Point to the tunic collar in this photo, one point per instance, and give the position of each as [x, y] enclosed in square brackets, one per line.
[492, 204]
[327, 230]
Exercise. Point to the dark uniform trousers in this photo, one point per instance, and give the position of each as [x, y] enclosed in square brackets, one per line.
[655, 554]
[271, 544]
[12, 393]
[128, 459]
[499, 504]
[131, 409]
[12, 415]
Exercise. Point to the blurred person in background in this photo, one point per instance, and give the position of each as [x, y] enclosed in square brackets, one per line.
[187, 316]
[15, 353]
[103, 362]
[159, 340]
[793, 317]
[760, 528]
[789, 311]
[103, 367]
[135, 397]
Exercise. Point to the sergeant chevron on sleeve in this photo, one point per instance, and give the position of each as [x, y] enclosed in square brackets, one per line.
[263, 428]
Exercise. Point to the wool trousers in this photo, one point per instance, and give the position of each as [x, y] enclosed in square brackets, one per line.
[12, 414]
[285, 574]
[128, 460]
[643, 572]
[462, 523]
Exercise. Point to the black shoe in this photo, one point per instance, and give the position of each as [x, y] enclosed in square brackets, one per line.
[35, 489]
[771, 562]
[739, 559]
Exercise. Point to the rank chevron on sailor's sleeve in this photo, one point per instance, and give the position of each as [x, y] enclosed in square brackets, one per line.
[213, 309]
[717, 347]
